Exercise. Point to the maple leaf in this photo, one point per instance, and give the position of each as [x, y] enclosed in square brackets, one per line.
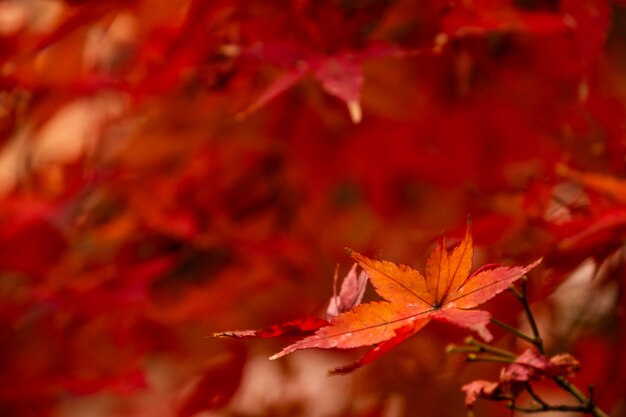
[301, 327]
[481, 389]
[350, 295]
[447, 292]
[530, 365]
[340, 75]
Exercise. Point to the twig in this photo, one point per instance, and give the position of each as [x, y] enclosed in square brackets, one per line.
[538, 342]
[451, 348]
[588, 403]
[481, 352]
[543, 409]
[483, 347]
[513, 330]
[472, 357]
[534, 395]
[516, 293]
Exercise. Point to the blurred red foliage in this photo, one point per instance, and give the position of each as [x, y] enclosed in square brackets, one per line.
[172, 169]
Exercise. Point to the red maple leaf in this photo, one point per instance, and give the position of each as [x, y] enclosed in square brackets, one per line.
[340, 75]
[532, 366]
[446, 292]
[528, 366]
[300, 327]
[350, 295]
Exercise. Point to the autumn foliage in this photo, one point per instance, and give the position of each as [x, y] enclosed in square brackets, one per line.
[170, 170]
[447, 292]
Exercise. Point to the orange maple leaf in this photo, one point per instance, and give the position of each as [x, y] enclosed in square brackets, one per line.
[446, 292]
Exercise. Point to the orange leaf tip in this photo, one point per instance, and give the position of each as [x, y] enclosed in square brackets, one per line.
[276, 356]
[356, 114]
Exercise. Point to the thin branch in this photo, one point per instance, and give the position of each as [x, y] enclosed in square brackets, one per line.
[531, 318]
[513, 330]
[451, 348]
[483, 347]
[516, 293]
[472, 357]
[592, 402]
[535, 396]
[543, 409]
[588, 404]
[480, 352]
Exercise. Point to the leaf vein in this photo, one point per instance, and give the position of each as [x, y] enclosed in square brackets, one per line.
[394, 280]
[373, 326]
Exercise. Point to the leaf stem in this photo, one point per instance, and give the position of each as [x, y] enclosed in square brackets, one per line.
[483, 347]
[480, 352]
[451, 348]
[587, 404]
[472, 357]
[516, 293]
[513, 330]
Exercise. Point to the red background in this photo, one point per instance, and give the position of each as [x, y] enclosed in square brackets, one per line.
[151, 195]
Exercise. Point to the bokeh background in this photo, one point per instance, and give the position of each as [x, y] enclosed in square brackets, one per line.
[170, 169]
